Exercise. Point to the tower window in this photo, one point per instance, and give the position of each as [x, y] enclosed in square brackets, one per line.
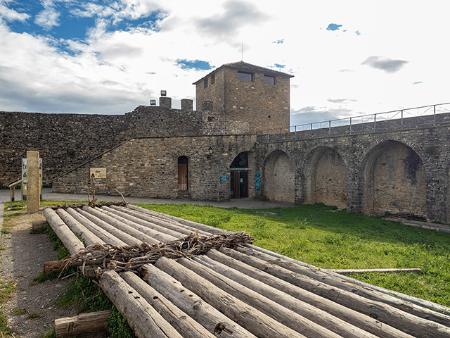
[245, 76]
[269, 80]
[205, 82]
[213, 78]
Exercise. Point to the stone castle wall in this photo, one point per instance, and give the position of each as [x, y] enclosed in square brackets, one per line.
[67, 140]
[390, 170]
[148, 167]
[63, 140]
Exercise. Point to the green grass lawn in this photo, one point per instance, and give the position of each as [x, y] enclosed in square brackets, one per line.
[329, 238]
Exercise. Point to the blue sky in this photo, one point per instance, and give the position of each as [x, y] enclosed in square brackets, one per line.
[108, 56]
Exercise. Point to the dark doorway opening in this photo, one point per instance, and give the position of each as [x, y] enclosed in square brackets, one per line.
[183, 173]
[239, 176]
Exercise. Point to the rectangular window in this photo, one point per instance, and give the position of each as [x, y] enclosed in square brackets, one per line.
[205, 82]
[245, 76]
[213, 78]
[269, 80]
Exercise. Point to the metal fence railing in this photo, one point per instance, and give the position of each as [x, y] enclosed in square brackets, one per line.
[371, 120]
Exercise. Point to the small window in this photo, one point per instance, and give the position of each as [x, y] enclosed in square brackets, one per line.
[245, 76]
[213, 78]
[269, 80]
[205, 82]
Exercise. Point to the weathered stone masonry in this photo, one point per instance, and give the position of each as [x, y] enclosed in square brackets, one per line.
[399, 171]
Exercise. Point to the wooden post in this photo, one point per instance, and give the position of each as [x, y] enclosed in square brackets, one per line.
[33, 183]
[83, 323]
[13, 191]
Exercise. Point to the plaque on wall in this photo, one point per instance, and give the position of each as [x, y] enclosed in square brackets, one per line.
[97, 172]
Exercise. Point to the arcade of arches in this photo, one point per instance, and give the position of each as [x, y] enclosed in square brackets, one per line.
[391, 179]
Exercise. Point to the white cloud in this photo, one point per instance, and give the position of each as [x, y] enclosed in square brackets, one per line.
[8, 14]
[112, 72]
[48, 17]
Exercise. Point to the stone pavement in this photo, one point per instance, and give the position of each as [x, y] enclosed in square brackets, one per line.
[244, 203]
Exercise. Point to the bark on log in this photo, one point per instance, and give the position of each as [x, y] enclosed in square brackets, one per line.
[67, 237]
[123, 236]
[252, 319]
[78, 229]
[212, 319]
[385, 270]
[168, 218]
[265, 305]
[336, 281]
[133, 216]
[304, 309]
[126, 227]
[349, 280]
[94, 228]
[174, 316]
[390, 315]
[141, 316]
[81, 324]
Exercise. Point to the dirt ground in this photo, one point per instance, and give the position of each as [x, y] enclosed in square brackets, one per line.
[32, 308]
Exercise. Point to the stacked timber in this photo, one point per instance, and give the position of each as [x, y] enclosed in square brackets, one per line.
[242, 291]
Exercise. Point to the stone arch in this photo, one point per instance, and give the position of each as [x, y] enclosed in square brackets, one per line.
[326, 177]
[394, 181]
[279, 177]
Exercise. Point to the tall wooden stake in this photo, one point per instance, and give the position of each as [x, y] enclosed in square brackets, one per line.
[33, 182]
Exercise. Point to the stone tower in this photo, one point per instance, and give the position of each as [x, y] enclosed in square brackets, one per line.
[242, 92]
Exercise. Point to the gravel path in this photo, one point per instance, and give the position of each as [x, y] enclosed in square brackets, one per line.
[31, 310]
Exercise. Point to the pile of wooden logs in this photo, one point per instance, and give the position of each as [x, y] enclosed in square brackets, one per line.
[245, 291]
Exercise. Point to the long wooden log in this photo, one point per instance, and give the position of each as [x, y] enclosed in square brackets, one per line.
[349, 280]
[78, 229]
[94, 228]
[385, 270]
[174, 316]
[384, 312]
[252, 319]
[356, 318]
[258, 301]
[337, 282]
[199, 226]
[67, 237]
[304, 309]
[141, 316]
[82, 324]
[129, 215]
[123, 236]
[163, 222]
[418, 301]
[122, 226]
[131, 227]
[212, 319]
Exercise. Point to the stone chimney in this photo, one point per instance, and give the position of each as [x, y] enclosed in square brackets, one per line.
[165, 102]
[187, 105]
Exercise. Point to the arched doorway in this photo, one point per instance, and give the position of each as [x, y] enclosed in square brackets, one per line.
[326, 178]
[183, 173]
[239, 176]
[279, 177]
[394, 181]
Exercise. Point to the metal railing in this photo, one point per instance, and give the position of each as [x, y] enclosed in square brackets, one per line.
[372, 119]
